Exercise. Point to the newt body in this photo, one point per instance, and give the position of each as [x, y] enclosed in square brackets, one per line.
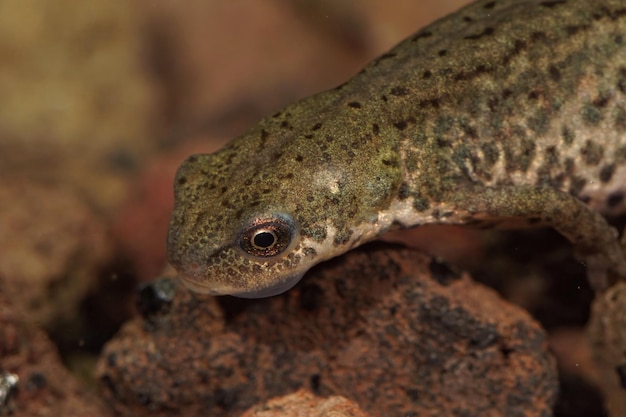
[505, 113]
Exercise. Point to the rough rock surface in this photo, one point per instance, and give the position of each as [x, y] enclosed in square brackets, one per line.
[607, 331]
[388, 328]
[43, 386]
[52, 244]
[304, 404]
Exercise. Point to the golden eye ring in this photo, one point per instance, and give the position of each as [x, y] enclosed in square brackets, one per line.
[267, 237]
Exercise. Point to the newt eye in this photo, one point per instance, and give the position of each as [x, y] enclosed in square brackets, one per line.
[267, 237]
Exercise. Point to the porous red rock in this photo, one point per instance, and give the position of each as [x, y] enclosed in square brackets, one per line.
[388, 328]
[42, 386]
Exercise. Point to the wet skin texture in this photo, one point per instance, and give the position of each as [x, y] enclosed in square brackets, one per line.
[505, 113]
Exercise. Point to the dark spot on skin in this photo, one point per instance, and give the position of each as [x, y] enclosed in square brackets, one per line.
[491, 154]
[316, 126]
[551, 4]
[264, 136]
[401, 125]
[489, 5]
[192, 159]
[299, 158]
[223, 190]
[606, 173]
[464, 76]
[601, 101]
[383, 98]
[285, 124]
[422, 35]
[577, 185]
[354, 105]
[520, 161]
[567, 135]
[442, 52]
[433, 102]
[308, 136]
[375, 129]
[182, 180]
[384, 57]
[488, 31]
[278, 114]
[592, 153]
[518, 47]
[399, 91]
[538, 36]
[443, 143]
[404, 191]
[420, 204]
[592, 114]
[533, 95]
[615, 199]
[426, 74]
[552, 155]
[574, 29]
[619, 39]
[554, 72]
[342, 237]
[506, 93]
[467, 19]
[470, 131]
[585, 199]
[442, 272]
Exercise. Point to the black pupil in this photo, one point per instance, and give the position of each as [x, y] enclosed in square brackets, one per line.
[264, 239]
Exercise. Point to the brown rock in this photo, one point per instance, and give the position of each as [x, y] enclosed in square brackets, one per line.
[33, 382]
[304, 404]
[388, 328]
[607, 331]
[52, 244]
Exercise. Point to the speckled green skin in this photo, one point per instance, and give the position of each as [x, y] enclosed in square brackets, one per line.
[505, 112]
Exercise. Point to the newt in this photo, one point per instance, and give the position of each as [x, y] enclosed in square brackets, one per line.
[506, 113]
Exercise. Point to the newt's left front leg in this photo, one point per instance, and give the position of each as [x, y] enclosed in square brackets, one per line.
[595, 241]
